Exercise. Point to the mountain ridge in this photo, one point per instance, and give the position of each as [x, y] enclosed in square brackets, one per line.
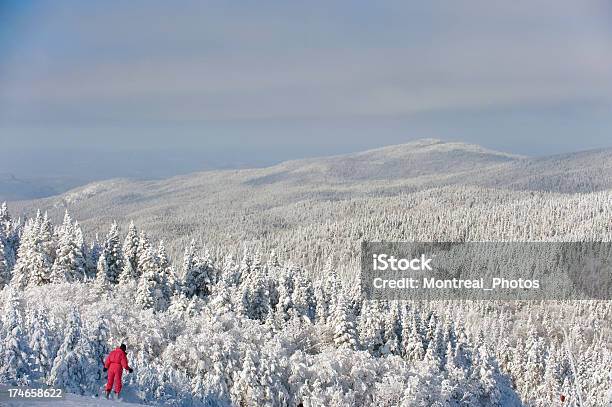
[183, 205]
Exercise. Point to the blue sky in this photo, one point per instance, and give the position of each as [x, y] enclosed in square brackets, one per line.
[169, 87]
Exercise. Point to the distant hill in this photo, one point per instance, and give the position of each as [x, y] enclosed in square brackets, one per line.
[270, 201]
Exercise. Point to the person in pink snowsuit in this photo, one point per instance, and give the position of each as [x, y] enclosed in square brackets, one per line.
[115, 362]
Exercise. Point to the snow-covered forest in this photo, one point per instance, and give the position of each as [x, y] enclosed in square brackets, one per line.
[253, 328]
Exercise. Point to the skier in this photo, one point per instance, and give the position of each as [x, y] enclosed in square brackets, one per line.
[115, 362]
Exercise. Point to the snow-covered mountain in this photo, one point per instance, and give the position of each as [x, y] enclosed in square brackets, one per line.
[259, 202]
[263, 308]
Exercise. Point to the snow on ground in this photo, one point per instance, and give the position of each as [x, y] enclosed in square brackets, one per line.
[73, 400]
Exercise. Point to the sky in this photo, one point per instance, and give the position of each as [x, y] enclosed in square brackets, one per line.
[100, 89]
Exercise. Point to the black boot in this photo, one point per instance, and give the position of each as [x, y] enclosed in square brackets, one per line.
[108, 393]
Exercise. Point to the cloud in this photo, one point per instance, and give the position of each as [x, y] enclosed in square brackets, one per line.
[208, 62]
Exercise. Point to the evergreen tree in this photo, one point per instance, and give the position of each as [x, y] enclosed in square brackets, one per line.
[345, 334]
[303, 297]
[151, 292]
[110, 262]
[41, 345]
[247, 389]
[47, 240]
[69, 262]
[9, 236]
[198, 273]
[371, 330]
[34, 263]
[95, 347]
[167, 274]
[92, 255]
[130, 253]
[14, 349]
[412, 343]
[5, 272]
[69, 369]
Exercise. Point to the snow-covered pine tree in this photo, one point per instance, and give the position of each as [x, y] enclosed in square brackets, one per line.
[247, 389]
[412, 343]
[5, 220]
[550, 388]
[41, 345]
[95, 346]
[151, 292]
[9, 234]
[5, 272]
[143, 250]
[230, 273]
[534, 368]
[69, 262]
[331, 289]
[130, 252]
[14, 350]
[392, 329]
[371, 329]
[167, 275]
[33, 263]
[110, 262]
[285, 288]
[486, 376]
[198, 273]
[128, 275]
[303, 298]
[69, 369]
[48, 241]
[274, 392]
[102, 283]
[92, 255]
[345, 334]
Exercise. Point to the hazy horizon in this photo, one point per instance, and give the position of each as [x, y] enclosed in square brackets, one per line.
[91, 91]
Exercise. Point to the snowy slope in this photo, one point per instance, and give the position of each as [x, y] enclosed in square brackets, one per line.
[73, 400]
[267, 201]
[128, 398]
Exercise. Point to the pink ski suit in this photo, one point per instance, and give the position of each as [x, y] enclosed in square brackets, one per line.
[115, 362]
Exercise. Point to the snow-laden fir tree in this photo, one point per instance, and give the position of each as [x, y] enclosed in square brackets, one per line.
[168, 276]
[69, 262]
[130, 251]
[198, 275]
[151, 292]
[412, 343]
[392, 331]
[331, 290]
[94, 345]
[14, 350]
[110, 262]
[34, 260]
[5, 272]
[343, 324]
[142, 251]
[303, 297]
[10, 232]
[247, 389]
[486, 376]
[285, 289]
[255, 295]
[92, 255]
[371, 329]
[47, 237]
[70, 369]
[41, 345]
[5, 220]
